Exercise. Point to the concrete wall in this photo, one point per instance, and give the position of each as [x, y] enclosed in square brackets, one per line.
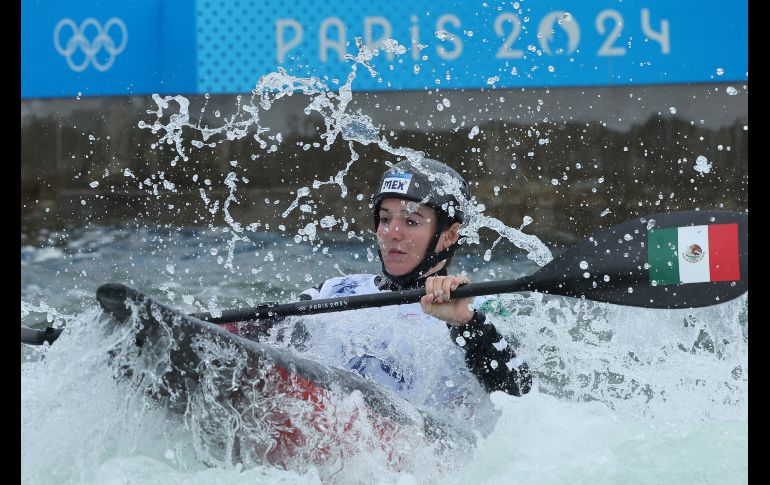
[642, 140]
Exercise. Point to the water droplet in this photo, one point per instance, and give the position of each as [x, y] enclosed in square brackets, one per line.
[702, 165]
[731, 91]
[443, 35]
[584, 265]
[328, 221]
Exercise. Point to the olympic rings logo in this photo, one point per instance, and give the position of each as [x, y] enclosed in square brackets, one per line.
[90, 48]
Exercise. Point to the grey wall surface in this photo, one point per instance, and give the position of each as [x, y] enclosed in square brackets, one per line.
[614, 153]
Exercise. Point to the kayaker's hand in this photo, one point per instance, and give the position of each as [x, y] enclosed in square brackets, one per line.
[436, 302]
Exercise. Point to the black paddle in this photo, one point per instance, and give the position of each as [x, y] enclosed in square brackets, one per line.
[34, 336]
[610, 267]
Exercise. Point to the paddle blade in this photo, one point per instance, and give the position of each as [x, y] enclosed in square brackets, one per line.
[681, 259]
[113, 299]
[34, 336]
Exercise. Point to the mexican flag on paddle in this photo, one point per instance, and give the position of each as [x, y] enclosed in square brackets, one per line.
[693, 254]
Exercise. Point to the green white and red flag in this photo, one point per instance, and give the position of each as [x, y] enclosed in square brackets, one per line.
[693, 254]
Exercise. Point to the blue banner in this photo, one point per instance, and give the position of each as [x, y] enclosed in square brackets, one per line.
[224, 46]
[107, 48]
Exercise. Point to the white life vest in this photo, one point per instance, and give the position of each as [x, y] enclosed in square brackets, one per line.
[396, 346]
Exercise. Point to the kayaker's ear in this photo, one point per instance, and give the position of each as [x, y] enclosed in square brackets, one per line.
[450, 235]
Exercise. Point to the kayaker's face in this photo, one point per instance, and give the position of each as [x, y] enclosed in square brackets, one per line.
[405, 230]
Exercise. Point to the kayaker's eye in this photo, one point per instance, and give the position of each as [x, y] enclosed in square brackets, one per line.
[384, 220]
[412, 222]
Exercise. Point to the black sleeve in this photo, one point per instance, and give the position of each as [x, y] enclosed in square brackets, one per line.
[486, 362]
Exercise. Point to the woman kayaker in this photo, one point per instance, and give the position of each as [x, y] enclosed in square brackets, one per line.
[418, 212]
[440, 352]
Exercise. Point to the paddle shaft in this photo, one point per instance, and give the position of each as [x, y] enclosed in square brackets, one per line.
[33, 336]
[306, 307]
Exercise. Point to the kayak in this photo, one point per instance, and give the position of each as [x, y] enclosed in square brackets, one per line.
[253, 404]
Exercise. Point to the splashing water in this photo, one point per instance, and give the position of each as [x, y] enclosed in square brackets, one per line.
[353, 128]
[616, 390]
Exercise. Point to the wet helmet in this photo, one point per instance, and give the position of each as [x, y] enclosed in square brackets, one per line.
[431, 183]
[427, 182]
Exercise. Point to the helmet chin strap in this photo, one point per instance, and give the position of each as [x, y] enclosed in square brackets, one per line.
[431, 259]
